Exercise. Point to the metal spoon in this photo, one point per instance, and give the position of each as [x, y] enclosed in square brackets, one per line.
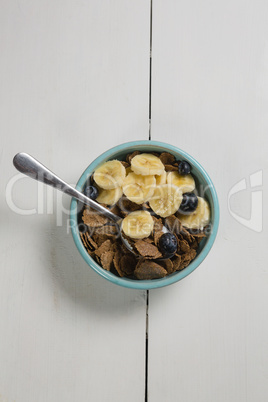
[31, 167]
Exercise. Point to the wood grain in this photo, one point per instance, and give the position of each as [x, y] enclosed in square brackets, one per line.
[208, 333]
[74, 81]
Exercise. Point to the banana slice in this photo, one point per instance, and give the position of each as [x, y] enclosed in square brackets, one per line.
[185, 183]
[161, 179]
[110, 175]
[166, 200]
[109, 197]
[138, 188]
[199, 218]
[138, 224]
[147, 164]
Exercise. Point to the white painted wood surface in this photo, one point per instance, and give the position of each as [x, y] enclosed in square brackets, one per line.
[208, 334]
[74, 81]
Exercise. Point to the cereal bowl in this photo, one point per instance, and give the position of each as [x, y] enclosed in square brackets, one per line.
[203, 182]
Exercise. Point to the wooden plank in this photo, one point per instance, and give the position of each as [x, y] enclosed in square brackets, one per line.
[73, 83]
[208, 333]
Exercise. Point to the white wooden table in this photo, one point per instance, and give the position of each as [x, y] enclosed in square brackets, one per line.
[74, 81]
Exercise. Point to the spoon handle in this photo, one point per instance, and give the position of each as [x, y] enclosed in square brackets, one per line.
[26, 164]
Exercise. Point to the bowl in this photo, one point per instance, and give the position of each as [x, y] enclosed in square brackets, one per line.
[203, 182]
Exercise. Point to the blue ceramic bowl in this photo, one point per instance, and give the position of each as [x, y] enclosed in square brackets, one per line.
[203, 182]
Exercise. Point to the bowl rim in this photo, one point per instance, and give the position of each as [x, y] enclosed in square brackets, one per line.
[143, 284]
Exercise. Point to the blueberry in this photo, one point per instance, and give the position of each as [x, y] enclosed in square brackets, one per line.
[168, 243]
[91, 192]
[184, 168]
[189, 203]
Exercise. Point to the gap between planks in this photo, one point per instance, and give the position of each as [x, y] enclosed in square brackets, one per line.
[150, 137]
[150, 67]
